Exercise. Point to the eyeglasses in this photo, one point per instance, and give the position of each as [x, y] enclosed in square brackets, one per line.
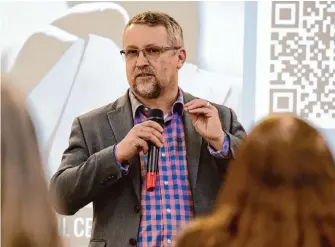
[149, 53]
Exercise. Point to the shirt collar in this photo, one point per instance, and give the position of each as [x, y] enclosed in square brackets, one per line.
[136, 105]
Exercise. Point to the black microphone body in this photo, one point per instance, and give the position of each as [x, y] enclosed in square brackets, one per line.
[156, 115]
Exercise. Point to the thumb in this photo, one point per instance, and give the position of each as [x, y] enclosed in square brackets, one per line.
[193, 117]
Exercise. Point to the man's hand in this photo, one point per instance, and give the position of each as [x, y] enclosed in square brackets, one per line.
[206, 121]
[137, 140]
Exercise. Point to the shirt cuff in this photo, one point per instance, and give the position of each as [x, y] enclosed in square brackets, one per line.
[224, 152]
[124, 169]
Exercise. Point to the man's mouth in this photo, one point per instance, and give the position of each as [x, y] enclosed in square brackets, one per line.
[144, 75]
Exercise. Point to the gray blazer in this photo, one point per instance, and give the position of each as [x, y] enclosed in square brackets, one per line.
[88, 171]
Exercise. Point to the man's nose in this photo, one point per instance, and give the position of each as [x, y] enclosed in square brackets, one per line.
[141, 60]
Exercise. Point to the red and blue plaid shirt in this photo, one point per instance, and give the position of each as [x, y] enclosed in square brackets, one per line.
[170, 206]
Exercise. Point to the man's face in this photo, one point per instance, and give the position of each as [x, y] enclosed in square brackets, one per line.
[149, 75]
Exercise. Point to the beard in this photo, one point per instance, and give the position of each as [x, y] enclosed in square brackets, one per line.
[147, 87]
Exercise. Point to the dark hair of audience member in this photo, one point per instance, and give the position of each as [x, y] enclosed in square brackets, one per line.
[28, 219]
[279, 192]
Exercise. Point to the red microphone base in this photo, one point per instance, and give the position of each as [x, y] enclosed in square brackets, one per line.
[151, 181]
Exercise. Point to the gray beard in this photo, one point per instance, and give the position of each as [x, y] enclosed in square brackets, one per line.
[153, 93]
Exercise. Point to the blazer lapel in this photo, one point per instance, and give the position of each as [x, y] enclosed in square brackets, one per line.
[193, 146]
[121, 121]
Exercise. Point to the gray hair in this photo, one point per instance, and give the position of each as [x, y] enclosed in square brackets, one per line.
[156, 18]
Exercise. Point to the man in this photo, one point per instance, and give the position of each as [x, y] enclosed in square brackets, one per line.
[106, 158]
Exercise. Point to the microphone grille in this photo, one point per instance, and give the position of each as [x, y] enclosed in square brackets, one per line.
[156, 113]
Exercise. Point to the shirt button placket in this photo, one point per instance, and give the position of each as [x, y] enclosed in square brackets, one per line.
[167, 238]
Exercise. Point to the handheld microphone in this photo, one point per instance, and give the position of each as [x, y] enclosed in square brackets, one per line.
[156, 115]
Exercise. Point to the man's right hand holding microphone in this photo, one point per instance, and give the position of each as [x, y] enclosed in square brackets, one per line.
[137, 140]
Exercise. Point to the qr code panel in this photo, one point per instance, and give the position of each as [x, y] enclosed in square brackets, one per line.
[302, 57]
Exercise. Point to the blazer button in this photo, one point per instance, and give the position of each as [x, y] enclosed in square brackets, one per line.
[137, 208]
[132, 241]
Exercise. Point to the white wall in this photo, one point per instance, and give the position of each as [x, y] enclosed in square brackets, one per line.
[221, 33]
[19, 19]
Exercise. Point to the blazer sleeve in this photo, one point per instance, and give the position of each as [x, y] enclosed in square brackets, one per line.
[80, 177]
[232, 128]
[235, 132]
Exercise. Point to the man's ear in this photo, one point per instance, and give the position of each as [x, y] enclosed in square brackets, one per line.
[181, 57]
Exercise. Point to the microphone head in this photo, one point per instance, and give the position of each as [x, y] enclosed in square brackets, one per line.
[156, 115]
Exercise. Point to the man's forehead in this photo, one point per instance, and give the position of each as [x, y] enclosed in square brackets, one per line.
[139, 35]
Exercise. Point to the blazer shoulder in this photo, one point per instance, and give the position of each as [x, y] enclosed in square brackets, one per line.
[95, 113]
[224, 111]
[227, 116]
[222, 108]
[102, 111]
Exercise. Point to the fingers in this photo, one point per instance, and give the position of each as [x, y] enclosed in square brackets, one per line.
[153, 124]
[137, 140]
[205, 111]
[199, 104]
[196, 103]
[142, 145]
[151, 137]
[154, 132]
[150, 131]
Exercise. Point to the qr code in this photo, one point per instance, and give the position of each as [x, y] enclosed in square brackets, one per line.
[302, 58]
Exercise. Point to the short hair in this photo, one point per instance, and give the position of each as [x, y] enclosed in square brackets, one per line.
[156, 18]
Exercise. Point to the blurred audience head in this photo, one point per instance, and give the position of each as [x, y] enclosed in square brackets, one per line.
[28, 219]
[279, 192]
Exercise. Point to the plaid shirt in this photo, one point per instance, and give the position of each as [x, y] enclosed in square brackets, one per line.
[170, 206]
